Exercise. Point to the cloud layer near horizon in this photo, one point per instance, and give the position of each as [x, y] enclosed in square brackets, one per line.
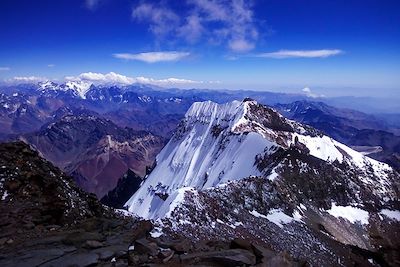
[114, 78]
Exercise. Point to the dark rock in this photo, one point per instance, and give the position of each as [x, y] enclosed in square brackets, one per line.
[42, 196]
[231, 257]
[105, 254]
[3, 241]
[93, 244]
[36, 257]
[166, 254]
[241, 243]
[75, 259]
[262, 253]
[78, 238]
[121, 263]
[281, 260]
[127, 185]
[146, 247]
[141, 229]
[182, 245]
[110, 251]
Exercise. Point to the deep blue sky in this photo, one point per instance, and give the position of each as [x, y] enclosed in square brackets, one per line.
[78, 36]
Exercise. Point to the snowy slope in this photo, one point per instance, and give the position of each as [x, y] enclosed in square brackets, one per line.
[218, 143]
[79, 88]
[197, 158]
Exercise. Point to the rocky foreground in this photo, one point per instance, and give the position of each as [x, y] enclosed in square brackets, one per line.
[48, 221]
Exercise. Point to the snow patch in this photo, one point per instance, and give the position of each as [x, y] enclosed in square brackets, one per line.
[279, 218]
[156, 232]
[275, 216]
[5, 195]
[392, 214]
[350, 213]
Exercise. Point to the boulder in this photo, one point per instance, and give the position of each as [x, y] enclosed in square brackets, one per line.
[144, 246]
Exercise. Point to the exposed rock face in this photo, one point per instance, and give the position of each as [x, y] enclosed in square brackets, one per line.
[95, 151]
[241, 169]
[33, 191]
[126, 187]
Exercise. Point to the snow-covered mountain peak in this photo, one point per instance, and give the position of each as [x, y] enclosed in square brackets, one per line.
[209, 111]
[80, 87]
[48, 85]
[218, 143]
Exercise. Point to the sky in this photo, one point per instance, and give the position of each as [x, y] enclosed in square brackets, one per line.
[331, 48]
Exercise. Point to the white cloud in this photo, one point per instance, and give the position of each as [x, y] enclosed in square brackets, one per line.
[229, 22]
[310, 93]
[323, 53]
[26, 79]
[51, 65]
[152, 57]
[115, 78]
[108, 78]
[4, 68]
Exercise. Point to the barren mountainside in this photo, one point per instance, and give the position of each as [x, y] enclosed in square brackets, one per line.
[94, 150]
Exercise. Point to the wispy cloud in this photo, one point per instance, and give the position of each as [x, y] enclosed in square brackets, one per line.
[153, 57]
[51, 65]
[229, 22]
[92, 4]
[323, 53]
[115, 78]
[162, 19]
[4, 68]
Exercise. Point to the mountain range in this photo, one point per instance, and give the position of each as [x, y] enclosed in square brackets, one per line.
[49, 115]
[206, 168]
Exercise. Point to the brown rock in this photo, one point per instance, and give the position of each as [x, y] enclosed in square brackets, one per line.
[241, 243]
[144, 246]
[181, 246]
[142, 229]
